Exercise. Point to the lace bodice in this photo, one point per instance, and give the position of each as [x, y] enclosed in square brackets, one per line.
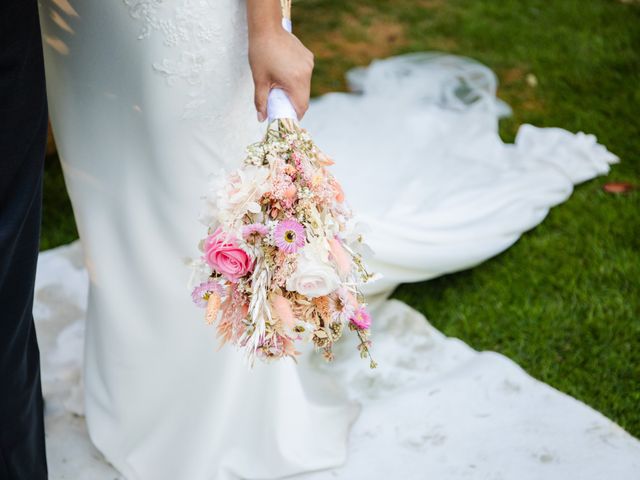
[195, 45]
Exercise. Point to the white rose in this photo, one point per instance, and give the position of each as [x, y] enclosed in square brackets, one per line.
[313, 277]
[240, 193]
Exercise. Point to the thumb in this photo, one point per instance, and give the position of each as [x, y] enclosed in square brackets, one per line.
[260, 99]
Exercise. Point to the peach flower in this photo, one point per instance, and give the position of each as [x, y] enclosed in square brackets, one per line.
[340, 256]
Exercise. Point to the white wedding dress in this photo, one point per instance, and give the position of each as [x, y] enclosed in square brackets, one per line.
[149, 97]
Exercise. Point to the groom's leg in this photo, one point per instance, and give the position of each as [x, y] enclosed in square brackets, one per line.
[23, 123]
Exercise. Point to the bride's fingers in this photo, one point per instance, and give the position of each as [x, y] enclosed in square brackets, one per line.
[299, 96]
[260, 99]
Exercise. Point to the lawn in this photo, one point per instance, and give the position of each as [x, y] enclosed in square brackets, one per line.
[564, 301]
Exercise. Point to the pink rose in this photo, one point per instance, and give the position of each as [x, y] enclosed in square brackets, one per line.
[225, 256]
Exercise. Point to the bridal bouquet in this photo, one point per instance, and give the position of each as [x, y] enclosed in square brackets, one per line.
[282, 260]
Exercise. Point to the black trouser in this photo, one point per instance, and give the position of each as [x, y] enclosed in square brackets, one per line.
[23, 126]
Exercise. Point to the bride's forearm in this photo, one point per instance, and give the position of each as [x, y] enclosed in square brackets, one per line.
[264, 17]
[277, 58]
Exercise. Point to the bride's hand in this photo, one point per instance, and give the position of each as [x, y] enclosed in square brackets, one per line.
[277, 58]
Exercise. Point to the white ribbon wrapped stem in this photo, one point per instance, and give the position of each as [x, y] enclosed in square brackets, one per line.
[278, 103]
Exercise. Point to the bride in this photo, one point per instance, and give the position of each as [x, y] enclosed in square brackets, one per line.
[147, 98]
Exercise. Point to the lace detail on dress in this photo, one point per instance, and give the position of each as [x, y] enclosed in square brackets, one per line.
[195, 43]
[144, 10]
[185, 23]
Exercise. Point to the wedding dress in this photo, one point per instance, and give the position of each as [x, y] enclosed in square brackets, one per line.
[147, 98]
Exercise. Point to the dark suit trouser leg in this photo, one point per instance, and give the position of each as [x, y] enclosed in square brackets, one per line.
[23, 123]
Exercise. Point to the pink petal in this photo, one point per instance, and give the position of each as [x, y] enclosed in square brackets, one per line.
[283, 308]
[341, 257]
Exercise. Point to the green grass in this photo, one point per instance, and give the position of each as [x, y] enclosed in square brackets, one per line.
[564, 301]
[58, 224]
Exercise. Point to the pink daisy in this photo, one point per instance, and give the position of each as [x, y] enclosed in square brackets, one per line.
[289, 235]
[361, 318]
[254, 230]
[202, 292]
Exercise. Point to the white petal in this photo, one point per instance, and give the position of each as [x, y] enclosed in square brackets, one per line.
[253, 207]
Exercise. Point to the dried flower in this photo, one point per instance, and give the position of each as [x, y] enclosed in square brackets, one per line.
[283, 309]
[340, 256]
[254, 231]
[202, 292]
[289, 235]
[213, 307]
[361, 318]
